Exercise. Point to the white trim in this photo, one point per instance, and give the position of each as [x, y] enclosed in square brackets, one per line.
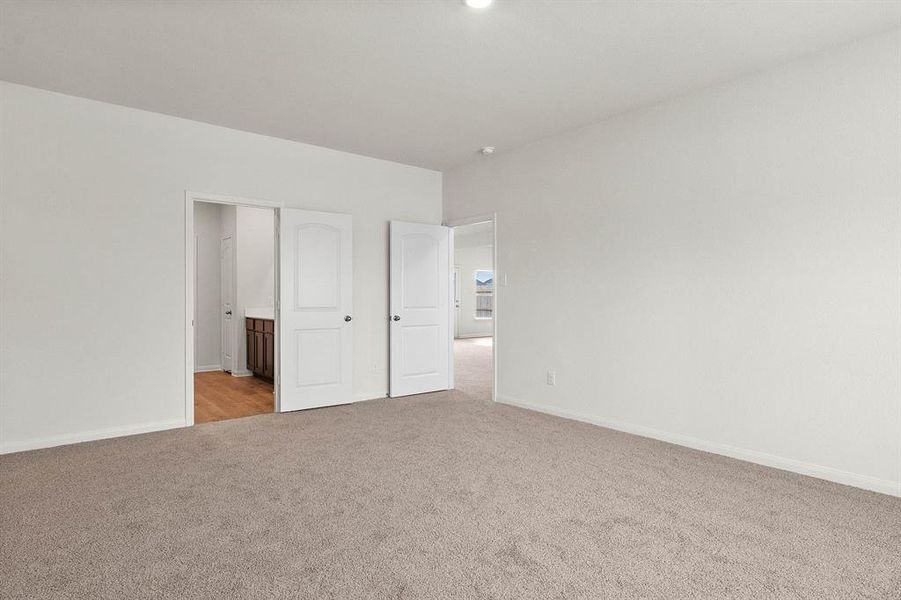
[88, 436]
[189, 310]
[190, 198]
[485, 218]
[231, 200]
[472, 336]
[276, 313]
[451, 308]
[207, 368]
[865, 482]
[475, 220]
[242, 373]
[494, 309]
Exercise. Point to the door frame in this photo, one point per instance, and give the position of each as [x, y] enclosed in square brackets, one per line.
[190, 198]
[484, 218]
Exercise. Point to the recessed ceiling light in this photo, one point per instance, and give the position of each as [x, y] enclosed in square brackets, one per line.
[487, 150]
[478, 3]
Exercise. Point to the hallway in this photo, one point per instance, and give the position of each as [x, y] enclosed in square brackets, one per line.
[473, 372]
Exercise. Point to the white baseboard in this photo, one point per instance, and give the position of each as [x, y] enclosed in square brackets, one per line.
[88, 436]
[466, 336]
[242, 374]
[207, 368]
[865, 482]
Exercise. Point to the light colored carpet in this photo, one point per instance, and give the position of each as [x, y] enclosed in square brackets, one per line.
[435, 496]
[473, 368]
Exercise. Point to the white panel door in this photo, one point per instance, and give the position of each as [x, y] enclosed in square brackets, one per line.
[421, 308]
[227, 295]
[315, 309]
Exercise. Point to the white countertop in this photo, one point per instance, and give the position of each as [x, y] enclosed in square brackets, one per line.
[266, 312]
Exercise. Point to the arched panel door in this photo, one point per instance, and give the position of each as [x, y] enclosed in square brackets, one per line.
[421, 308]
[315, 309]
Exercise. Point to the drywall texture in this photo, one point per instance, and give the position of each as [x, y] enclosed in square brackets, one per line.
[720, 270]
[92, 235]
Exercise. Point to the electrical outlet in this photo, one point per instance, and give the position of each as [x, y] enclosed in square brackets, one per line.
[552, 377]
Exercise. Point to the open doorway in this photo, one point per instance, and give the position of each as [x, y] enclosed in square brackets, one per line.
[234, 321]
[474, 308]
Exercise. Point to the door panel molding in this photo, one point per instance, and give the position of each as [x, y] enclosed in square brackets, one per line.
[316, 336]
[422, 308]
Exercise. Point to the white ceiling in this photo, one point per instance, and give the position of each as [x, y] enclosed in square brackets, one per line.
[420, 82]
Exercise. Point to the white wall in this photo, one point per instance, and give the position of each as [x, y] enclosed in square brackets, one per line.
[721, 270]
[254, 270]
[470, 260]
[92, 254]
[207, 323]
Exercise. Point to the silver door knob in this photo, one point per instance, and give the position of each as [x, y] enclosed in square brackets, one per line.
[396, 317]
[228, 312]
[348, 318]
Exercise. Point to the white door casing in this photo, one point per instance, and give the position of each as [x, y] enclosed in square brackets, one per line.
[315, 309]
[227, 296]
[421, 303]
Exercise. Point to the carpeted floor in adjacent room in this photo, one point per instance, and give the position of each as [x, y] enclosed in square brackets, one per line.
[442, 495]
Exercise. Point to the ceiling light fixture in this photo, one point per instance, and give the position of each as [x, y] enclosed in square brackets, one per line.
[478, 3]
[487, 150]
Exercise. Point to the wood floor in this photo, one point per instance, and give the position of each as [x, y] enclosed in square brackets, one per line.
[219, 396]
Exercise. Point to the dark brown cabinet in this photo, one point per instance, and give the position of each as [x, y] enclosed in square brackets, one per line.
[260, 347]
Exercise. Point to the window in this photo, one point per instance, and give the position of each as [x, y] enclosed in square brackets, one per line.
[484, 294]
